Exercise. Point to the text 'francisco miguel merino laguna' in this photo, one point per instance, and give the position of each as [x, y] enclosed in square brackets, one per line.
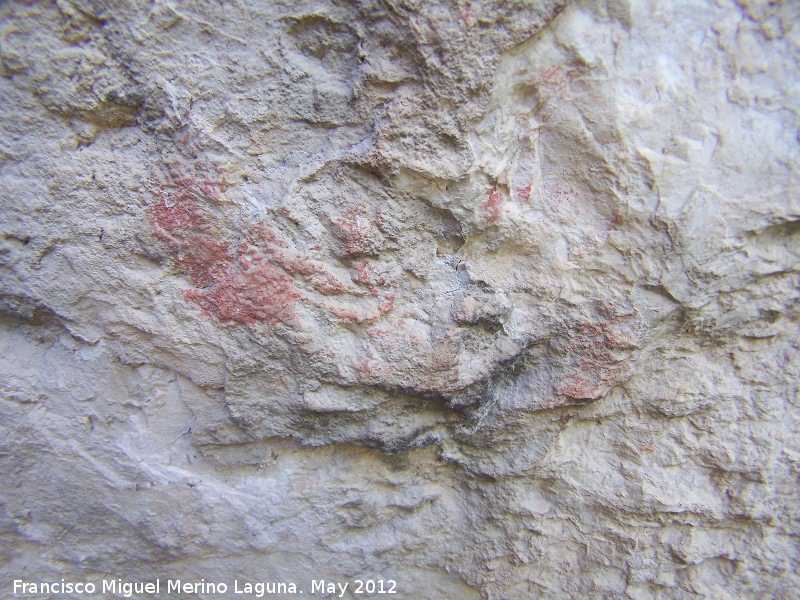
[130, 589]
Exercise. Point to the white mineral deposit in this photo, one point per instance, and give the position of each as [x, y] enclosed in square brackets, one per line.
[429, 300]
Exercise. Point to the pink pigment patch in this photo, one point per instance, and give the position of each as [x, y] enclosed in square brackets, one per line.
[205, 262]
[599, 366]
[555, 81]
[360, 234]
[256, 281]
[328, 285]
[262, 293]
[179, 221]
[363, 277]
[372, 370]
[387, 304]
[525, 192]
[493, 205]
[244, 291]
[590, 382]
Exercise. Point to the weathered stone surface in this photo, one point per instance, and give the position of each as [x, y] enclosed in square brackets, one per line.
[494, 299]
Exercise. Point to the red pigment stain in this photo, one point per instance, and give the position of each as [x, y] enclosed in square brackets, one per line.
[570, 199]
[466, 14]
[599, 368]
[358, 232]
[350, 315]
[261, 293]
[320, 279]
[256, 282]
[363, 277]
[179, 221]
[493, 205]
[555, 81]
[569, 195]
[313, 272]
[325, 284]
[243, 291]
[387, 304]
[372, 370]
[525, 192]
[387, 332]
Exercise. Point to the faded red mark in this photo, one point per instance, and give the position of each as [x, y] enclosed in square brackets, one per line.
[525, 192]
[601, 363]
[385, 333]
[329, 285]
[373, 369]
[570, 200]
[259, 293]
[258, 282]
[387, 304]
[278, 252]
[568, 195]
[493, 205]
[247, 290]
[466, 14]
[363, 277]
[556, 80]
[180, 222]
[359, 233]
[435, 357]
[646, 449]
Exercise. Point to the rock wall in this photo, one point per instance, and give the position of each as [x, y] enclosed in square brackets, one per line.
[492, 299]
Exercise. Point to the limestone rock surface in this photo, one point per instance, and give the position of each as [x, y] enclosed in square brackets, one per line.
[492, 299]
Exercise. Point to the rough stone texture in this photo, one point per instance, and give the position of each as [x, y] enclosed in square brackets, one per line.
[495, 299]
